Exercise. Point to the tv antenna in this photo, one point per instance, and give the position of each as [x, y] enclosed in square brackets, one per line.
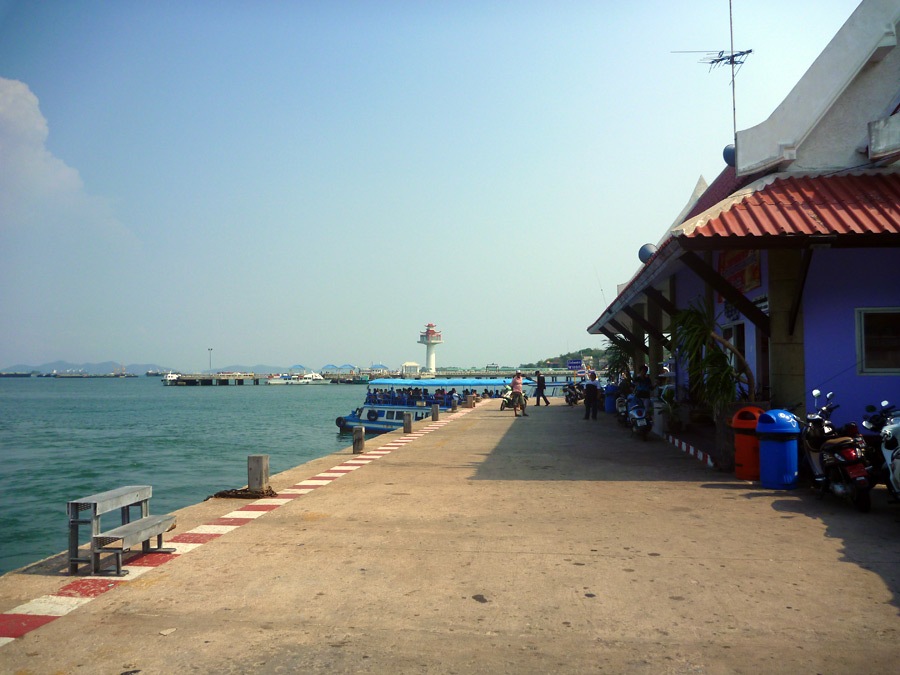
[722, 57]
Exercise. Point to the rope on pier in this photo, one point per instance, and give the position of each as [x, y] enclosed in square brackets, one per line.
[244, 493]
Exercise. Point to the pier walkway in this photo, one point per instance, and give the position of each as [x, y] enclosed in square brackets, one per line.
[485, 544]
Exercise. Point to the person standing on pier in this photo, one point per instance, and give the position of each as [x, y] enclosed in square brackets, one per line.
[518, 397]
[539, 392]
[591, 396]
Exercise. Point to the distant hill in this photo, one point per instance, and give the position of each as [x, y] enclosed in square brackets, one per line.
[103, 368]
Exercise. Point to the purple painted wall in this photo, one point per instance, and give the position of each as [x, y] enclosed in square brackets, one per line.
[839, 282]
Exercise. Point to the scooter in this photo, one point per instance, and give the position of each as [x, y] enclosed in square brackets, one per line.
[506, 398]
[639, 420]
[622, 409]
[574, 394]
[837, 457]
[886, 422]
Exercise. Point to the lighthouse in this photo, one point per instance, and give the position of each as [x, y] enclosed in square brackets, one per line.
[430, 338]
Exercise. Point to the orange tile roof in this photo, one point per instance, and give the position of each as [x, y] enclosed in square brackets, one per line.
[845, 204]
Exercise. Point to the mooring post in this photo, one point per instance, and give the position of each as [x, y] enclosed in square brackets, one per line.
[407, 422]
[359, 440]
[258, 473]
[453, 405]
[435, 412]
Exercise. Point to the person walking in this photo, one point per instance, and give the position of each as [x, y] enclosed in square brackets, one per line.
[518, 397]
[539, 392]
[591, 396]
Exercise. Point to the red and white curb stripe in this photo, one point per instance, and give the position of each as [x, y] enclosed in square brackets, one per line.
[704, 457]
[25, 618]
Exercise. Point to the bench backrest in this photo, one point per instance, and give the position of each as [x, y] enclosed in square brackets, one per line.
[102, 502]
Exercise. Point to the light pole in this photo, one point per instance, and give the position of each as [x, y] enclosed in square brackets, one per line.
[210, 359]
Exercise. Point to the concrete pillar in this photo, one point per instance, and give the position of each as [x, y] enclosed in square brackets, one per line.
[258, 473]
[453, 405]
[359, 440]
[435, 412]
[407, 422]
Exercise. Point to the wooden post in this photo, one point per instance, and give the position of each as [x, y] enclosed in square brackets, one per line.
[435, 412]
[258, 473]
[407, 422]
[359, 440]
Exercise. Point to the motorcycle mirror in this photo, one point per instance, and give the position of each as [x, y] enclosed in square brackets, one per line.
[829, 395]
[816, 393]
[885, 404]
[871, 408]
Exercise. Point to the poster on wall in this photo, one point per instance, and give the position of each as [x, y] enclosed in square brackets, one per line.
[742, 270]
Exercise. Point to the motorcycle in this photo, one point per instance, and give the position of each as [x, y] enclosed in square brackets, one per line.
[837, 456]
[886, 422]
[622, 409]
[506, 398]
[574, 394]
[639, 419]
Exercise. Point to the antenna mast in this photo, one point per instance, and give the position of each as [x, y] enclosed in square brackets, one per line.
[733, 95]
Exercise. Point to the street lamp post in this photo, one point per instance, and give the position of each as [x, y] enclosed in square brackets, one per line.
[210, 359]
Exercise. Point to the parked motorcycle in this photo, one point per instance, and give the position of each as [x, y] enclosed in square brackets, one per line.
[639, 418]
[886, 422]
[837, 456]
[622, 409]
[574, 393]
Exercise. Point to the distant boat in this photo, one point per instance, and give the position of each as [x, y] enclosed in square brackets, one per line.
[297, 378]
[15, 374]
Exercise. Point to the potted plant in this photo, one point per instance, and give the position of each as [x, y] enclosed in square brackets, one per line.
[719, 374]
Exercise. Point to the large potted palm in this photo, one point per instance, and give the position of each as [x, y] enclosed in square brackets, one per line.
[719, 374]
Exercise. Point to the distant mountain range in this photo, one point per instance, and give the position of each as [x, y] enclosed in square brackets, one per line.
[136, 368]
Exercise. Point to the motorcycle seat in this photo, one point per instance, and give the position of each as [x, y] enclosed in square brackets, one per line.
[833, 444]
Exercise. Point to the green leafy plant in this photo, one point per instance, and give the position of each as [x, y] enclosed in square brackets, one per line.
[718, 372]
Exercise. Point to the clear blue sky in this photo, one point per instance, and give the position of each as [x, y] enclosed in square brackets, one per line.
[313, 182]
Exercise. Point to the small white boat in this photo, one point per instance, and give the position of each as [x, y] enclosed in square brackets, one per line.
[297, 378]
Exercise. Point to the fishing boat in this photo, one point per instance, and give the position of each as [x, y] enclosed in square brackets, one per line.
[297, 378]
[388, 399]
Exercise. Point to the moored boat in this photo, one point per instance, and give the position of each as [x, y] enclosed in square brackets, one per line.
[297, 378]
[387, 400]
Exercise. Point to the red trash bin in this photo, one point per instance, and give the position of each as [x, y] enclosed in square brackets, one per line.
[746, 444]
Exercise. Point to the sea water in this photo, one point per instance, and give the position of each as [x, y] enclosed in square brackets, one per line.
[61, 439]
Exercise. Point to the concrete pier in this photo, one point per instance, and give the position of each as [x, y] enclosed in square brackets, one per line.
[485, 543]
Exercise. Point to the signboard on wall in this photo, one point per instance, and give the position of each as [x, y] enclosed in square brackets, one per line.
[742, 270]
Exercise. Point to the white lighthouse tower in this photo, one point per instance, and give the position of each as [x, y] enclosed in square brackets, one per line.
[430, 338]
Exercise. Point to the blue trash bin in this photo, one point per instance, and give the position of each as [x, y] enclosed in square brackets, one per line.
[778, 431]
[609, 402]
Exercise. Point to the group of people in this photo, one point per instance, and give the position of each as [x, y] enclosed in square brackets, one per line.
[517, 397]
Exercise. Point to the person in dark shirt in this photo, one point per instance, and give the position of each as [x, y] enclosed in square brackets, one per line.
[539, 392]
[591, 396]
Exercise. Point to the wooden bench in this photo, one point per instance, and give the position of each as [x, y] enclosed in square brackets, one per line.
[119, 539]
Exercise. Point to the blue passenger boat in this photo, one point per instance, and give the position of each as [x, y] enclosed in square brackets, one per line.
[387, 399]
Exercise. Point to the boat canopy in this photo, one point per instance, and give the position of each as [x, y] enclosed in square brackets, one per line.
[445, 382]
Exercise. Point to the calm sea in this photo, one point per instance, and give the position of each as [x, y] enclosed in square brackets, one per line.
[64, 439]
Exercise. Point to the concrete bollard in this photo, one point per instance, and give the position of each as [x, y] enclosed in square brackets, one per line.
[359, 440]
[258, 473]
[435, 412]
[407, 422]
[453, 405]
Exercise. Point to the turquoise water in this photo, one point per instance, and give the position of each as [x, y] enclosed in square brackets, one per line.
[64, 439]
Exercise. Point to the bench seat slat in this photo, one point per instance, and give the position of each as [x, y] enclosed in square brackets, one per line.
[135, 532]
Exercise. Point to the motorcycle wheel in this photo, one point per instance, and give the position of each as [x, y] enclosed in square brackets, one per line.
[644, 433]
[863, 500]
[502, 405]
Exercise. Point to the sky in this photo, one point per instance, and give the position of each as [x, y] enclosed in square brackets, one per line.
[313, 182]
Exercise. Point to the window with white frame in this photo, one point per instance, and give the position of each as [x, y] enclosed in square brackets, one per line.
[878, 340]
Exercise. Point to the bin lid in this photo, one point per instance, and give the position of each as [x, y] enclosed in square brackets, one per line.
[747, 417]
[777, 422]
